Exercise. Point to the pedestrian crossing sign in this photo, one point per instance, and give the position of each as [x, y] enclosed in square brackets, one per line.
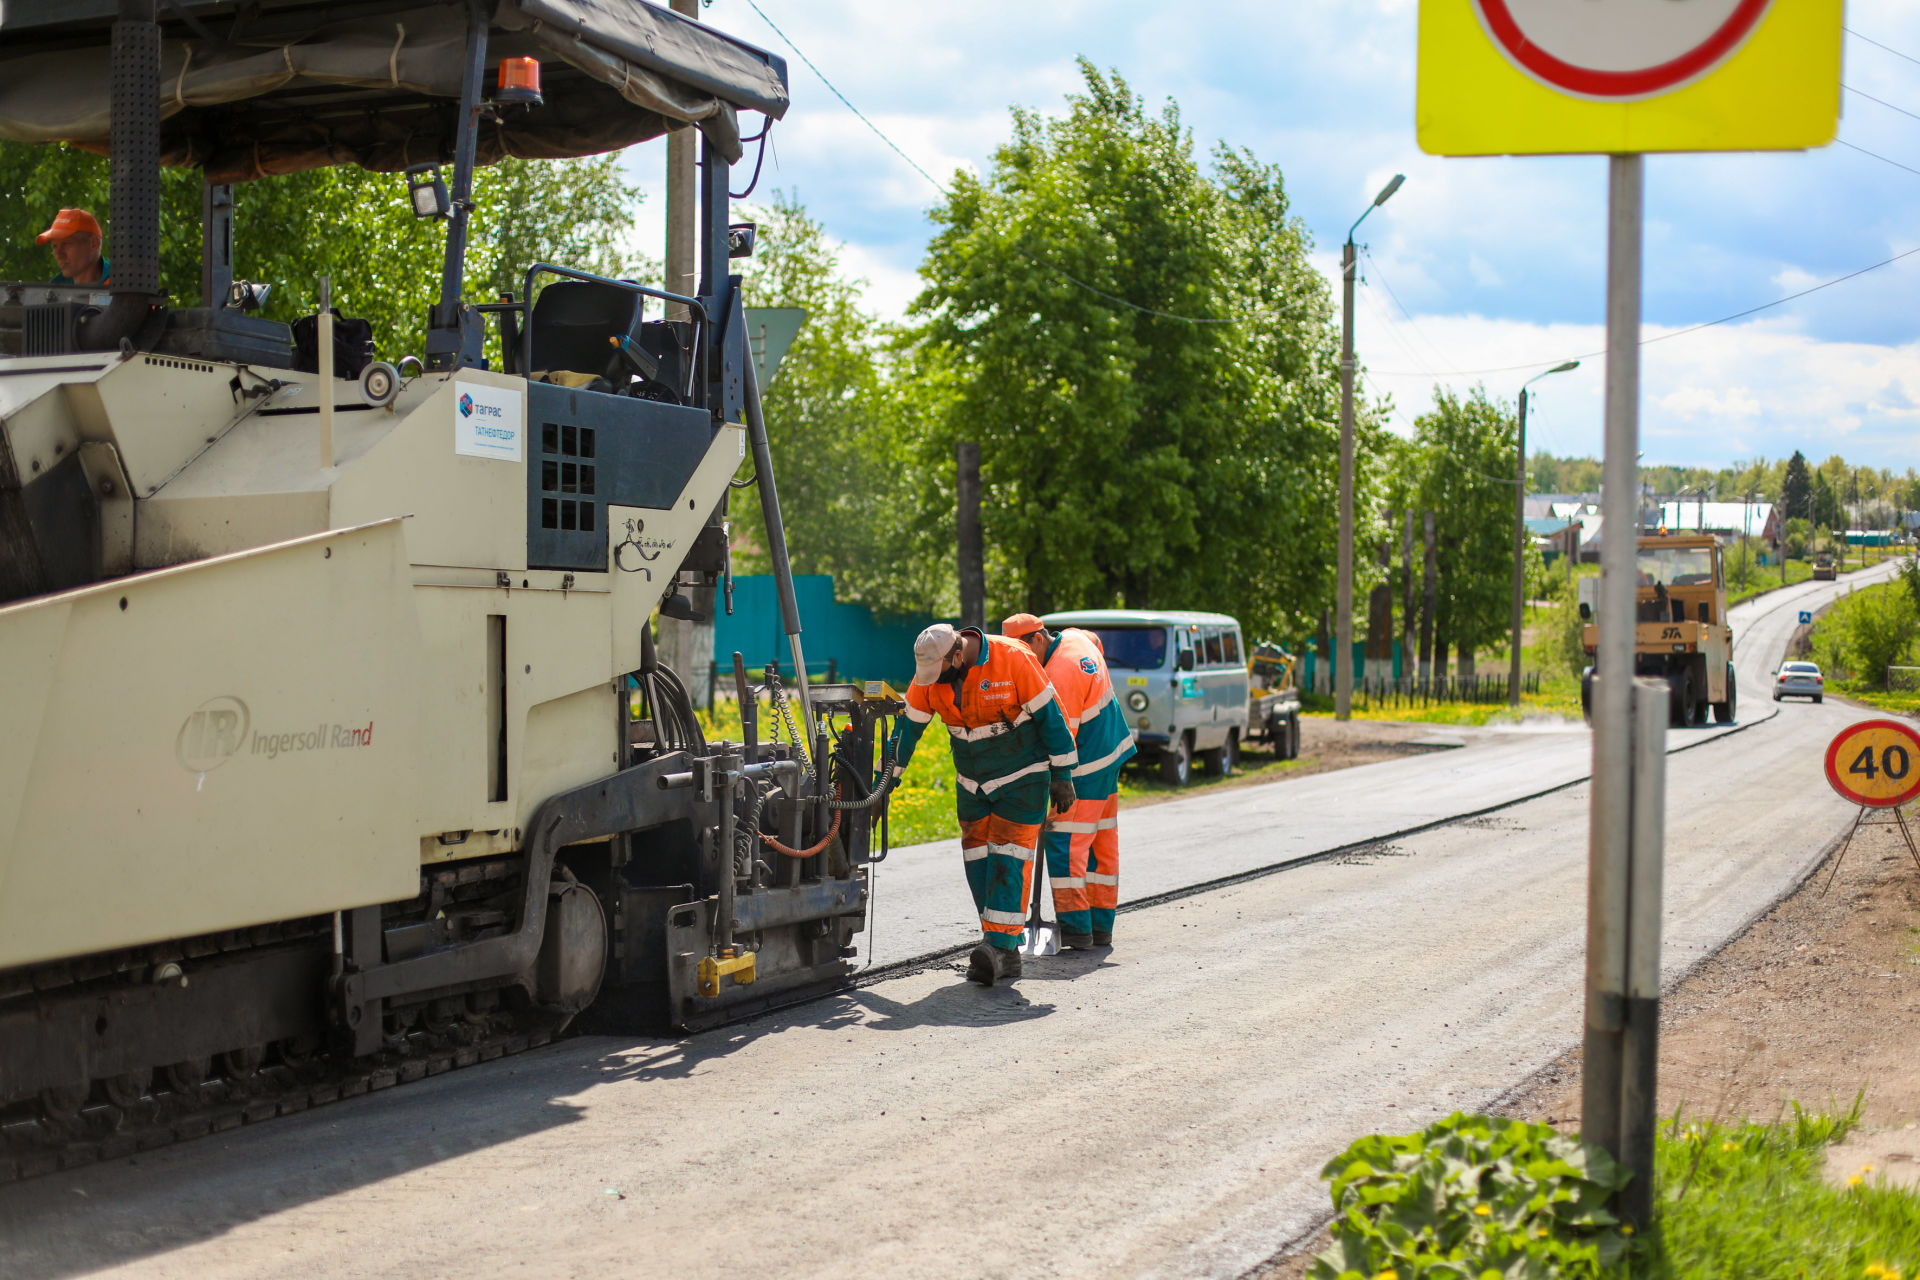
[1806, 617]
[1521, 77]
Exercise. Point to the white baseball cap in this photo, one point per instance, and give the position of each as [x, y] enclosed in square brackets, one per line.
[930, 651]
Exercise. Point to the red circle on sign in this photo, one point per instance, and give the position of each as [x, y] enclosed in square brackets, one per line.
[1852, 733]
[1639, 83]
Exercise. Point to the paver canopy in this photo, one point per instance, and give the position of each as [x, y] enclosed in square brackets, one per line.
[254, 89]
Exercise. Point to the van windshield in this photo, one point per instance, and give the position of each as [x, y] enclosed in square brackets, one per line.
[1134, 648]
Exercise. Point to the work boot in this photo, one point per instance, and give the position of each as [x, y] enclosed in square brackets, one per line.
[980, 966]
[988, 964]
[1102, 939]
[1077, 941]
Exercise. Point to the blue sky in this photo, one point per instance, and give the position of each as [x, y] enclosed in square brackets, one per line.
[1475, 264]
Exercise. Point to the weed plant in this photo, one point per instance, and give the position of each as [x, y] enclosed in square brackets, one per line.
[1477, 1198]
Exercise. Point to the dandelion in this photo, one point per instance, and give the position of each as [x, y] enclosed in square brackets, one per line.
[1388, 1275]
[1726, 1146]
[1854, 1181]
[1483, 1210]
[1626, 1228]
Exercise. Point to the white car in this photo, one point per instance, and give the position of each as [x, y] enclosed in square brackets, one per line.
[1798, 680]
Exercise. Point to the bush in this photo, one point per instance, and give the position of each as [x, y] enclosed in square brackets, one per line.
[1868, 631]
[1562, 636]
[1472, 1196]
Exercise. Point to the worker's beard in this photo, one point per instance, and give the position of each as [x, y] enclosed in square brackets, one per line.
[954, 676]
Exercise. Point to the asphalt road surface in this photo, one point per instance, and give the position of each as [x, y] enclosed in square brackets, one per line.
[1162, 1110]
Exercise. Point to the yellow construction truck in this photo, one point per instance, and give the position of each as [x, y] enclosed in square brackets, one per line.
[1681, 629]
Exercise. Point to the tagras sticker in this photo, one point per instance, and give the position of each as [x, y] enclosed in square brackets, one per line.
[488, 422]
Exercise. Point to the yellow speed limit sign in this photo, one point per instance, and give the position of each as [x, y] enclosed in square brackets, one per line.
[1616, 76]
[1875, 763]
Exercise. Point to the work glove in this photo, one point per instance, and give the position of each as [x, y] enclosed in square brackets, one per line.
[1063, 796]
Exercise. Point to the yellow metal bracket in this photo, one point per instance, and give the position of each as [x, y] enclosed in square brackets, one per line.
[712, 969]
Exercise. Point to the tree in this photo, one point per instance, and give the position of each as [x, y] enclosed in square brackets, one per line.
[1147, 358]
[1463, 448]
[347, 223]
[845, 466]
[1796, 490]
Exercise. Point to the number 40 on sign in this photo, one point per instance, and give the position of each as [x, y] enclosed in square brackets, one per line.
[1876, 765]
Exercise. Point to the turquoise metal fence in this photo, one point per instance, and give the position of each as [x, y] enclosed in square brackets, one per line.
[859, 645]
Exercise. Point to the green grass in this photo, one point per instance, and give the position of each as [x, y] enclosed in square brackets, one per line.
[1749, 1202]
[1906, 702]
[1762, 580]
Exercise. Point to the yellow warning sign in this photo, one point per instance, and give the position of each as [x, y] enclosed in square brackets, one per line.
[1520, 77]
[1875, 763]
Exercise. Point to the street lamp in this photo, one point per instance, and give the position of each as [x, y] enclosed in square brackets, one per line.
[1343, 603]
[1520, 532]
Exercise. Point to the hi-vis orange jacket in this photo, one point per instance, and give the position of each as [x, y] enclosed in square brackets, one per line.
[1004, 718]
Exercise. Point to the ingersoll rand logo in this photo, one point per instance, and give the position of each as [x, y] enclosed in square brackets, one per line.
[212, 734]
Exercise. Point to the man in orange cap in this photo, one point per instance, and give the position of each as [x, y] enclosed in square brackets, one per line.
[1083, 845]
[75, 237]
[1012, 754]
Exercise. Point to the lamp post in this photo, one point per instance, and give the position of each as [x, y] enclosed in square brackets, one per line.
[1343, 603]
[1520, 533]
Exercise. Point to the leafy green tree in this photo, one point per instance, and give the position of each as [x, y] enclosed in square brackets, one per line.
[845, 464]
[1874, 629]
[1464, 448]
[1796, 490]
[1147, 359]
[347, 223]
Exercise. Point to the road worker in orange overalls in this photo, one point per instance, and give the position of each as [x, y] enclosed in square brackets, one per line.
[1012, 752]
[1083, 848]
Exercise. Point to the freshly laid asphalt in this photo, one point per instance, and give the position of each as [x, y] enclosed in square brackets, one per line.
[1159, 1110]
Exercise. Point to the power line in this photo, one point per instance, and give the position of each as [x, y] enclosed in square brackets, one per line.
[843, 99]
[1677, 333]
[1877, 156]
[1432, 346]
[1876, 44]
[1861, 93]
[941, 188]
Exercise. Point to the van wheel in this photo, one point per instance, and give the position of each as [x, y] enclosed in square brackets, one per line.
[1225, 758]
[1278, 736]
[1176, 762]
[1293, 737]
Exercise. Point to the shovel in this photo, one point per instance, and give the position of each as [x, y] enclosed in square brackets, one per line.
[1042, 937]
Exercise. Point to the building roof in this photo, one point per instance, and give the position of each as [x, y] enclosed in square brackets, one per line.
[1734, 517]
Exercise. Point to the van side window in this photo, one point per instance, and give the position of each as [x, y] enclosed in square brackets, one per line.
[1232, 642]
[1213, 649]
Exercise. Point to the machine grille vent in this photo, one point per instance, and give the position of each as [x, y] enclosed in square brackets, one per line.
[567, 482]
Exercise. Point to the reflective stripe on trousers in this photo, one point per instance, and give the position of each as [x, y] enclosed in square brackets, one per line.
[998, 836]
[1083, 864]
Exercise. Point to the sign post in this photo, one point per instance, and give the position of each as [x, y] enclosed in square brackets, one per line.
[1620, 78]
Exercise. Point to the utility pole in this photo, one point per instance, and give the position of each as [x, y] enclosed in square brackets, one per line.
[967, 537]
[1520, 532]
[1407, 608]
[686, 646]
[1343, 593]
[1429, 589]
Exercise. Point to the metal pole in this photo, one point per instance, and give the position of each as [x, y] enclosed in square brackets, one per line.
[777, 546]
[1519, 553]
[1610, 822]
[1640, 1034]
[1343, 594]
[323, 338]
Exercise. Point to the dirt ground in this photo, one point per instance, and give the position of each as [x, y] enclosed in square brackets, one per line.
[1325, 745]
[1818, 1000]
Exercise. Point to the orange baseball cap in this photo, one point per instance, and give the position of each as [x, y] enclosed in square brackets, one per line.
[1021, 625]
[68, 223]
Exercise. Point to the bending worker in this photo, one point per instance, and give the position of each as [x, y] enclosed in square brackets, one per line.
[1083, 849]
[1012, 752]
[75, 237]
